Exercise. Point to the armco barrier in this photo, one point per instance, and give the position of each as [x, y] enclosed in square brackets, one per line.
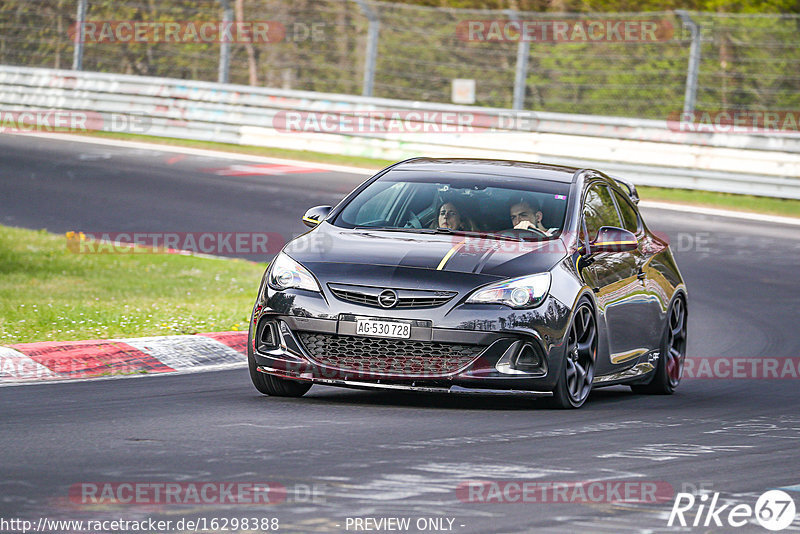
[645, 151]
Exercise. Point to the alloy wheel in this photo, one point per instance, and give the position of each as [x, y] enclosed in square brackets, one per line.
[676, 343]
[581, 349]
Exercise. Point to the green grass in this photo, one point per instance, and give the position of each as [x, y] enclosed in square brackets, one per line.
[48, 293]
[766, 205]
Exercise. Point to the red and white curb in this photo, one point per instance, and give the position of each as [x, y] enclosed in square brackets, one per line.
[114, 358]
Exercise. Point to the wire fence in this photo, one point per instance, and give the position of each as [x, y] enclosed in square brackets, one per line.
[571, 63]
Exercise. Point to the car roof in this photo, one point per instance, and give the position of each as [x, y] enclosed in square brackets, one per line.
[498, 167]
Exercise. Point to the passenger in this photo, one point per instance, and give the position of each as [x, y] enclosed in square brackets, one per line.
[525, 217]
[451, 217]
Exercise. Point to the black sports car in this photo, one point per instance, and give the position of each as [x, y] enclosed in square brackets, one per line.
[474, 275]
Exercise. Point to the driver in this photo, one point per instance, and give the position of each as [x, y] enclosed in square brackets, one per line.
[526, 217]
[451, 216]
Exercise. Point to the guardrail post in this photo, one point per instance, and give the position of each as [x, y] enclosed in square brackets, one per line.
[372, 47]
[521, 75]
[77, 53]
[225, 46]
[690, 97]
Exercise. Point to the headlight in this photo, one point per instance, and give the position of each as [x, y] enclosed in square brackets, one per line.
[524, 292]
[285, 273]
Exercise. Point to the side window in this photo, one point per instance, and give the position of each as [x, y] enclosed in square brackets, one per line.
[629, 216]
[599, 210]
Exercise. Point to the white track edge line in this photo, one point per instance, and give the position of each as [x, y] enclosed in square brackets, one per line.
[204, 152]
[687, 208]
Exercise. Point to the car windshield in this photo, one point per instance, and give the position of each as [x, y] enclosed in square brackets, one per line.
[516, 208]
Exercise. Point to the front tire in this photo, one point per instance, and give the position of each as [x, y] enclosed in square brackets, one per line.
[673, 354]
[278, 387]
[575, 382]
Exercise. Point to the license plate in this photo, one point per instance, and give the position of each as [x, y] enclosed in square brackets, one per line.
[371, 327]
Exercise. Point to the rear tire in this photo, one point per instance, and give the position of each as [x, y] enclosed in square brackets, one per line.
[272, 385]
[669, 369]
[575, 383]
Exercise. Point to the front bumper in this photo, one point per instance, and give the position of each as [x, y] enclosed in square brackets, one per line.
[471, 348]
[403, 386]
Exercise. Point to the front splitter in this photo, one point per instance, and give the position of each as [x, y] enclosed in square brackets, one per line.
[357, 384]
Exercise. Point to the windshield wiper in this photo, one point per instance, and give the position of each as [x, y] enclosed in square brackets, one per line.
[447, 231]
[397, 229]
[482, 235]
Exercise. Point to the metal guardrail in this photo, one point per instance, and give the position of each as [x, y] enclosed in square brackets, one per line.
[645, 151]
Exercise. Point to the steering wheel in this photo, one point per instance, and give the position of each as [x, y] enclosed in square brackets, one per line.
[519, 233]
[536, 230]
[529, 226]
[413, 221]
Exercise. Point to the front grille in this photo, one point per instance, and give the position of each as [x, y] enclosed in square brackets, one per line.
[389, 356]
[406, 298]
[352, 296]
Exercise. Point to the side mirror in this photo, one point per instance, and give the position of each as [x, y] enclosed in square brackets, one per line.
[612, 239]
[316, 215]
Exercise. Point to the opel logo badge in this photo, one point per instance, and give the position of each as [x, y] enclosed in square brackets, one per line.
[387, 298]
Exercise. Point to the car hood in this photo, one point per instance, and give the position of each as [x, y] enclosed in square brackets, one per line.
[480, 257]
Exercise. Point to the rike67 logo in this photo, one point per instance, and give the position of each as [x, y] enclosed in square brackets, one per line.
[774, 510]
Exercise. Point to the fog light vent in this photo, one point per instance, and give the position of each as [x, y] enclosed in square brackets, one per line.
[528, 359]
[267, 336]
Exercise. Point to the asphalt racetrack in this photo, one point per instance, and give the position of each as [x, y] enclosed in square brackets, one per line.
[345, 454]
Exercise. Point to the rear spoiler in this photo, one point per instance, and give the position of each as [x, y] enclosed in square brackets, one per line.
[626, 185]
